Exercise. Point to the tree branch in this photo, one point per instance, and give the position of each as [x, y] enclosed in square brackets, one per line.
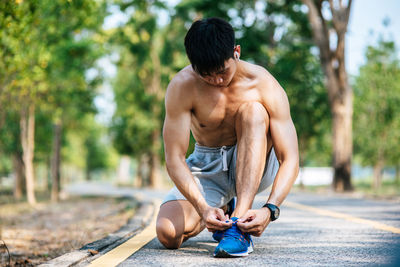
[319, 29]
[348, 8]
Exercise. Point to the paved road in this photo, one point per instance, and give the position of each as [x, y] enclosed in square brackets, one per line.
[298, 238]
[301, 237]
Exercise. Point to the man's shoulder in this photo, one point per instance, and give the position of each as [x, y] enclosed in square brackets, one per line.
[180, 89]
[259, 72]
[272, 95]
[265, 80]
[183, 80]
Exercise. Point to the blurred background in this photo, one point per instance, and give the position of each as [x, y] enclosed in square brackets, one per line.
[82, 85]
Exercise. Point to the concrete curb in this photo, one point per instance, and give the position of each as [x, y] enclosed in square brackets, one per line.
[97, 248]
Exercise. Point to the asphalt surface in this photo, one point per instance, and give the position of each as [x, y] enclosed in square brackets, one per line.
[298, 238]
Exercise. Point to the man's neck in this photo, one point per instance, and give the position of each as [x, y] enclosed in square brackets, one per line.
[239, 74]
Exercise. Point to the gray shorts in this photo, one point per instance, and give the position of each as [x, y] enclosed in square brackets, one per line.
[214, 170]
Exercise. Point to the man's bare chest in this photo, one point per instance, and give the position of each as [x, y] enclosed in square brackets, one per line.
[215, 110]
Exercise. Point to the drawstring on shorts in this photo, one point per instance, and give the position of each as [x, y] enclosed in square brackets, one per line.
[224, 158]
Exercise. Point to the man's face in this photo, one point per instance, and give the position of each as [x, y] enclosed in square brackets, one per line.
[223, 77]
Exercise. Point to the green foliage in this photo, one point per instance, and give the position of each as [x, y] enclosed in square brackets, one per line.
[23, 53]
[46, 49]
[137, 92]
[86, 147]
[96, 151]
[377, 106]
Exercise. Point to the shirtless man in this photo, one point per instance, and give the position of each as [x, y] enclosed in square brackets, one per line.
[245, 141]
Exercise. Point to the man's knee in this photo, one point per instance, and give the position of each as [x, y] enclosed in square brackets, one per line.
[167, 233]
[252, 114]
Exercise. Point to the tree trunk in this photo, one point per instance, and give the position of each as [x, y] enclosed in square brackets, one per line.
[19, 181]
[155, 89]
[339, 91]
[55, 161]
[28, 145]
[139, 177]
[88, 174]
[342, 143]
[155, 174]
[48, 173]
[378, 168]
[397, 174]
[123, 174]
[143, 171]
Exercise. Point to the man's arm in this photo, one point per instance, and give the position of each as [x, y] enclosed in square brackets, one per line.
[176, 134]
[284, 139]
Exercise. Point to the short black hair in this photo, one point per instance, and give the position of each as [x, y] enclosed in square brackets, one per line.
[209, 42]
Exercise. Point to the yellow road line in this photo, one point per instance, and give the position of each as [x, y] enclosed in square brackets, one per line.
[374, 224]
[123, 251]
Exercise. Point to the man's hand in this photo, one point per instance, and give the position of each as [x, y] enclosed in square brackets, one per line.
[254, 222]
[215, 219]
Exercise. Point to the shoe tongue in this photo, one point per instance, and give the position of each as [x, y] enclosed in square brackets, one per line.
[234, 219]
[233, 231]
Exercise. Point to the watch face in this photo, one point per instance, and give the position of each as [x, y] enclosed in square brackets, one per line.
[277, 213]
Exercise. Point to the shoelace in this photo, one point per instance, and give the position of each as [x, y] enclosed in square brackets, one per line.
[234, 232]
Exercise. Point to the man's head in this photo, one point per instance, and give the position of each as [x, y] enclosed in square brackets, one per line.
[210, 47]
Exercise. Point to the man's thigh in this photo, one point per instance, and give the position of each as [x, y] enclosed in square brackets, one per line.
[179, 218]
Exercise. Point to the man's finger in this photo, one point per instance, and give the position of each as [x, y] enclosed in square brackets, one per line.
[248, 216]
[220, 215]
[244, 226]
[218, 223]
[248, 225]
[213, 228]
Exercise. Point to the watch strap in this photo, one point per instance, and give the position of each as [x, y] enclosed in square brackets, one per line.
[274, 211]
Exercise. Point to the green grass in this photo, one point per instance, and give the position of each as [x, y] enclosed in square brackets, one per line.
[388, 189]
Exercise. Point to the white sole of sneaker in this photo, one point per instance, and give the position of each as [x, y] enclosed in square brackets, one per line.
[223, 254]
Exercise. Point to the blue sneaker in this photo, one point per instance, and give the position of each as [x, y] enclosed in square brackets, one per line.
[217, 235]
[234, 243]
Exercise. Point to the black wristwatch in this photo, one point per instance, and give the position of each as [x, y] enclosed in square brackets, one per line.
[275, 211]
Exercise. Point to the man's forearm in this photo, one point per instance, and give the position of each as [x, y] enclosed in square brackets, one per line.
[284, 181]
[184, 181]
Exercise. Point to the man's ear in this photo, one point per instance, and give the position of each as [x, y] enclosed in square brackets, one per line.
[236, 52]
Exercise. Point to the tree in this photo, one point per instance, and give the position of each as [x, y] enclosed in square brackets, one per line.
[73, 52]
[377, 109]
[137, 121]
[24, 59]
[10, 145]
[326, 31]
[44, 56]
[97, 157]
